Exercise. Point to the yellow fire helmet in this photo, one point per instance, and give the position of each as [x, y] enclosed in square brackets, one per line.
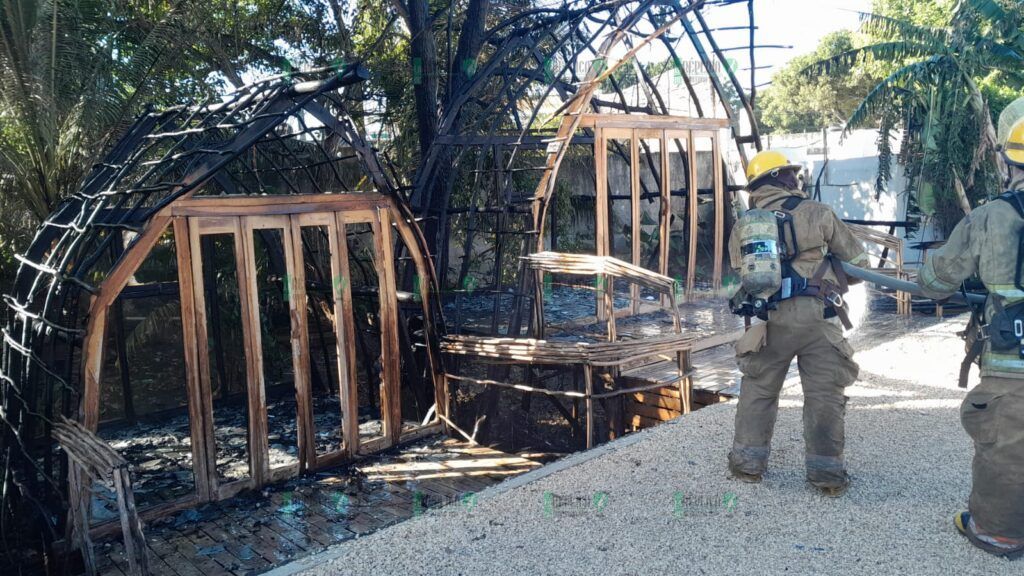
[1013, 148]
[766, 163]
[1011, 132]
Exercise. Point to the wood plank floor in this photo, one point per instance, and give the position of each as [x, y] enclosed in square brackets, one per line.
[253, 533]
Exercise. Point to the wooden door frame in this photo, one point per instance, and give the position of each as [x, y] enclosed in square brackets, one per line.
[664, 130]
[292, 209]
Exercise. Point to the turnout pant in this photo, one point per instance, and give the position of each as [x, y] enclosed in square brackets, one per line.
[993, 416]
[798, 330]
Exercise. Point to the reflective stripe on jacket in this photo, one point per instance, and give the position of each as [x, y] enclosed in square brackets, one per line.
[983, 243]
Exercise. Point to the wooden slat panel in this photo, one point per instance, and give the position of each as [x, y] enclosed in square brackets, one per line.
[638, 422]
[653, 412]
[196, 401]
[657, 400]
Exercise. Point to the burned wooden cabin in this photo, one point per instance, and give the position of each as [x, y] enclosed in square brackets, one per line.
[240, 292]
[219, 303]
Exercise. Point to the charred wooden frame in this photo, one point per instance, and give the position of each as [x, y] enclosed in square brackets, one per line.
[278, 155]
[546, 83]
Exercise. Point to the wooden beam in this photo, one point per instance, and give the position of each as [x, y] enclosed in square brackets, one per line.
[197, 402]
[634, 213]
[716, 168]
[96, 327]
[391, 398]
[248, 294]
[276, 205]
[345, 332]
[691, 215]
[664, 122]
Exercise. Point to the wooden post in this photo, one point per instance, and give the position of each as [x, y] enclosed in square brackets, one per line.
[391, 401]
[588, 379]
[686, 382]
[298, 305]
[346, 334]
[665, 221]
[691, 215]
[634, 212]
[203, 370]
[601, 236]
[198, 403]
[248, 292]
[716, 168]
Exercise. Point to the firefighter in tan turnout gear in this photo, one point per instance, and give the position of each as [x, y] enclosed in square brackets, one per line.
[805, 319]
[987, 243]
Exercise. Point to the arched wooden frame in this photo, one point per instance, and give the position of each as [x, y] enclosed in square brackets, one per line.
[241, 215]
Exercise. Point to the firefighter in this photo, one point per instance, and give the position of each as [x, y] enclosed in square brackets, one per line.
[986, 243]
[805, 324]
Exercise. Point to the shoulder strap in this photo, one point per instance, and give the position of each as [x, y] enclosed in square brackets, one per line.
[785, 220]
[790, 204]
[1013, 198]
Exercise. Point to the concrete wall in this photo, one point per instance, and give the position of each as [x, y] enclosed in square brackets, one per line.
[848, 183]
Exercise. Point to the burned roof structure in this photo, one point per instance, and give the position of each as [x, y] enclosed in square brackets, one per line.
[210, 208]
[568, 102]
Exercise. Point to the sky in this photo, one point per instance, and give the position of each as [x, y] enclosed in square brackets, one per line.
[797, 23]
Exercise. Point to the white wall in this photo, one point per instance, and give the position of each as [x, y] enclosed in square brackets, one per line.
[848, 184]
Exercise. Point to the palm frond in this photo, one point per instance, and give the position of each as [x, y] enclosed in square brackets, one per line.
[885, 26]
[896, 85]
[896, 50]
[989, 9]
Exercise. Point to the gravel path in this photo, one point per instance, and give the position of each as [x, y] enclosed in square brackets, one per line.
[660, 502]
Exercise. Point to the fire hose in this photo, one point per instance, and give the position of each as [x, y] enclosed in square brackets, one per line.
[972, 298]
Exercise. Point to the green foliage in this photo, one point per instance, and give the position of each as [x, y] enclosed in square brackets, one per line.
[946, 70]
[796, 103]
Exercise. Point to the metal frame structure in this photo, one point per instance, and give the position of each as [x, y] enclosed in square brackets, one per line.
[546, 76]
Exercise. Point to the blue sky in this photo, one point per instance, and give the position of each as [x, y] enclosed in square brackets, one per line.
[797, 23]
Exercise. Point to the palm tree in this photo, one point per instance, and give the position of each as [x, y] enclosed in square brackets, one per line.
[937, 93]
[72, 74]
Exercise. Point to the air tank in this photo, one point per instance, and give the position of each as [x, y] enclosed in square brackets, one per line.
[761, 268]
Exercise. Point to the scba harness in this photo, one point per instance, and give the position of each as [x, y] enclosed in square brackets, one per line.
[1004, 331]
[786, 282]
